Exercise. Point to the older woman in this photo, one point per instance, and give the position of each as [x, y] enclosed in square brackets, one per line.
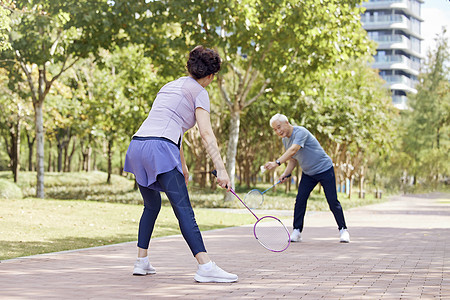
[155, 156]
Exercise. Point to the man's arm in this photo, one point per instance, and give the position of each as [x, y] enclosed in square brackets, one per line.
[292, 163]
[290, 152]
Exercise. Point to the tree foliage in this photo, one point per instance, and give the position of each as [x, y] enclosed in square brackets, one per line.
[4, 26]
[427, 124]
[52, 36]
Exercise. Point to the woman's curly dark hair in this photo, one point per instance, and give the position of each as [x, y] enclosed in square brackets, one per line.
[203, 62]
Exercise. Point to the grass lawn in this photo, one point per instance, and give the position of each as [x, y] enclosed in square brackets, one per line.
[33, 226]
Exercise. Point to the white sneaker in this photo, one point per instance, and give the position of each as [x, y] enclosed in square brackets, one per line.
[296, 236]
[344, 236]
[214, 274]
[143, 268]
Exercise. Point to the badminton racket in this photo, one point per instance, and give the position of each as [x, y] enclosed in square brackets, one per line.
[255, 198]
[269, 231]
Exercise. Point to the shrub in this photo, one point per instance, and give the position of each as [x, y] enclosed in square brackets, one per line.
[9, 190]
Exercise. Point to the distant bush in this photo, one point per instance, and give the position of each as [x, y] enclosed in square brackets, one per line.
[9, 190]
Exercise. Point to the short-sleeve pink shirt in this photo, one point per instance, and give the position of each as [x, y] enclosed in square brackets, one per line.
[173, 111]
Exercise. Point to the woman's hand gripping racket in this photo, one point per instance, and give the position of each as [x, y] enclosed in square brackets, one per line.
[255, 198]
[269, 231]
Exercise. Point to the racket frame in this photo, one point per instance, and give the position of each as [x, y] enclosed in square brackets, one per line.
[259, 219]
[262, 244]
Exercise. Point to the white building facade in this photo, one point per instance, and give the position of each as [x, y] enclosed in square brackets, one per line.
[395, 26]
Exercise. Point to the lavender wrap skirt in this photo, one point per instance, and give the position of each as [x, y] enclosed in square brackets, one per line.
[147, 157]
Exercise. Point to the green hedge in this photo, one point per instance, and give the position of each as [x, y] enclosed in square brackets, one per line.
[9, 190]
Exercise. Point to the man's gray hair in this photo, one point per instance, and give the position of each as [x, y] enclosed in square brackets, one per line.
[278, 117]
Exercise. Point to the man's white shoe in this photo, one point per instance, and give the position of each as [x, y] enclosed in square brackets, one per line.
[296, 236]
[214, 274]
[344, 236]
[143, 268]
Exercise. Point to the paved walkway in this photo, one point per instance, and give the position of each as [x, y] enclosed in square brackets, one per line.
[399, 250]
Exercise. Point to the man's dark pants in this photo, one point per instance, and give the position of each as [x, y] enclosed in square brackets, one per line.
[307, 183]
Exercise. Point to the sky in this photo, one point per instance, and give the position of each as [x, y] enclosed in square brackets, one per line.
[436, 13]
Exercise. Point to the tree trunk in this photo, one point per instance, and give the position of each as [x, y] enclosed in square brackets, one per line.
[87, 158]
[65, 155]
[350, 186]
[16, 150]
[94, 162]
[361, 184]
[80, 163]
[30, 142]
[63, 138]
[39, 120]
[438, 134]
[50, 162]
[70, 156]
[13, 149]
[60, 156]
[110, 144]
[121, 163]
[232, 150]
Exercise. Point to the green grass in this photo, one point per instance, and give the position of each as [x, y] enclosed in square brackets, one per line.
[79, 185]
[9, 190]
[65, 220]
[33, 226]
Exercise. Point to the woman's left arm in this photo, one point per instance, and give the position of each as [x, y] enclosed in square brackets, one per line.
[184, 166]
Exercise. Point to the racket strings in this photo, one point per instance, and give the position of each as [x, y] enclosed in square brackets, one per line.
[272, 234]
[253, 199]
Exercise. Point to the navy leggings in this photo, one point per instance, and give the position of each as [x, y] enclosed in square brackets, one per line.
[174, 186]
[307, 184]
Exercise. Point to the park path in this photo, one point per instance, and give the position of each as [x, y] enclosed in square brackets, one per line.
[399, 249]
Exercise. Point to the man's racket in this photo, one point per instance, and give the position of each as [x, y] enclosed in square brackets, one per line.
[255, 198]
[269, 231]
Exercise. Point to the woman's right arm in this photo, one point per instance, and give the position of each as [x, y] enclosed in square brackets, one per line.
[210, 143]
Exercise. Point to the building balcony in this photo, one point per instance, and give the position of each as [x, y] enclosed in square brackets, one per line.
[397, 62]
[409, 7]
[383, 22]
[399, 82]
[398, 42]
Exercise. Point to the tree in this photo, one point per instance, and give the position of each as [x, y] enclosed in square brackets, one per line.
[426, 138]
[64, 110]
[12, 113]
[51, 36]
[15, 111]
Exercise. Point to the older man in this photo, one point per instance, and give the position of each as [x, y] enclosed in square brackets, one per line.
[302, 147]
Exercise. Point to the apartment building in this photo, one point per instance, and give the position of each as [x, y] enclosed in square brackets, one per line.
[395, 26]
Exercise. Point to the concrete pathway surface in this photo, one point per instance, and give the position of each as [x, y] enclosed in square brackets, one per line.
[399, 249]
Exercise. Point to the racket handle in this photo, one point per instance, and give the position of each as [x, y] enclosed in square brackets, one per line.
[214, 172]
[287, 176]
